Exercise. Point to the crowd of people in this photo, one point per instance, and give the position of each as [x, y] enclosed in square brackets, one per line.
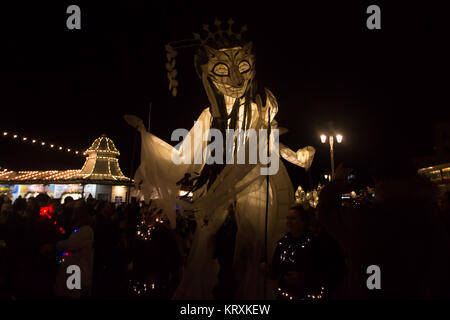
[130, 251]
[404, 232]
[40, 238]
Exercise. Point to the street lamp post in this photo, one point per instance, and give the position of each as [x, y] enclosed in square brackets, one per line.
[323, 138]
[332, 156]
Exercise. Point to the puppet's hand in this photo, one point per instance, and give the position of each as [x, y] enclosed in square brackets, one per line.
[134, 121]
[264, 104]
[303, 157]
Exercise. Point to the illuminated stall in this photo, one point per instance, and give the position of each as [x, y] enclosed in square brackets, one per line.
[439, 174]
[100, 177]
[436, 167]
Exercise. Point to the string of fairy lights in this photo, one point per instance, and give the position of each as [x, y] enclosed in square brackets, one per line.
[144, 233]
[40, 142]
[311, 296]
[141, 288]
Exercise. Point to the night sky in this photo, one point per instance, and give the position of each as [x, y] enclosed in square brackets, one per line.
[383, 89]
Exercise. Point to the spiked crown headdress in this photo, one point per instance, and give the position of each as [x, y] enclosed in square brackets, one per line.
[221, 38]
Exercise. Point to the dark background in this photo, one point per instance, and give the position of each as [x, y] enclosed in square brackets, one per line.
[383, 89]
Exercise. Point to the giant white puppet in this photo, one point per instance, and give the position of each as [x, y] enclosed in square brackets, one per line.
[225, 64]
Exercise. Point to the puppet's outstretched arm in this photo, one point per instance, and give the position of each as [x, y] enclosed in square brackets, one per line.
[303, 157]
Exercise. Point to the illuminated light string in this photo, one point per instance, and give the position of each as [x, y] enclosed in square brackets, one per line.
[105, 175]
[309, 296]
[142, 287]
[288, 254]
[42, 175]
[42, 143]
[144, 231]
[116, 177]
[103, 158]
[284, 294]
[48, 212]
[108, 154]
[64, 254]
[111, 148]
[102, 149]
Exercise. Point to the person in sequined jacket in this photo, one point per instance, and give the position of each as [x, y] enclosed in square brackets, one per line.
[296, 261]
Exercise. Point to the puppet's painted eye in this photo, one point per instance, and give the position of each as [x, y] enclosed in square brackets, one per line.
[221, 69]
[244, 66]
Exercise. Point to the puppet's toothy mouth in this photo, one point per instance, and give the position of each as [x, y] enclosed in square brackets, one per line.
[235, 92]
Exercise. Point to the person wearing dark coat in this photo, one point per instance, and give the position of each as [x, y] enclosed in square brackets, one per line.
[156, 258]
[296, 261]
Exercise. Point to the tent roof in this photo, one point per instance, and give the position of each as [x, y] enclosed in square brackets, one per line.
[103, 145]
[53, 177]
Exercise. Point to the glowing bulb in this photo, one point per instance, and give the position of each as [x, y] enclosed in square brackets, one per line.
[43, 143]
[323, 138]
[5, 133]
[24, 138]
[15, 136]
[339, 138]
[34, 141]
[76, 152]
[52, 145]
[68, 150]
[60, 148]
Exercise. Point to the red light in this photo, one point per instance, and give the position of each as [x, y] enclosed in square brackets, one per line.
[62, 231]
[44, 211]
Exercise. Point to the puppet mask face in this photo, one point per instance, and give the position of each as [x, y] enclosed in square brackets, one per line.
[231, 70]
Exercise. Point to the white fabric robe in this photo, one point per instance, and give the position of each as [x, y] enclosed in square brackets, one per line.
[242, 183]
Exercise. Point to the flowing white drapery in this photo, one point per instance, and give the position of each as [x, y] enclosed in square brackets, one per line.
[241, 184]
